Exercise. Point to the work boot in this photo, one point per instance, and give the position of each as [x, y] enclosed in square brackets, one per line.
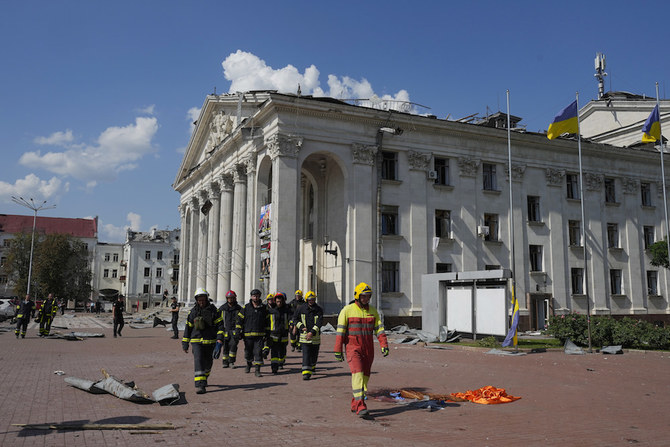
[200, 389]
[247, 369]
[364, 414]
[257, 373]
[226, 364]
[306, 376]
[275, 369]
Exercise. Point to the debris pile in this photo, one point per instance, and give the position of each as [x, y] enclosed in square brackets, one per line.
[486, 395]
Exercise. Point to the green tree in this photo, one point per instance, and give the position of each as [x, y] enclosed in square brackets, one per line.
[659, 254]
[18, 261]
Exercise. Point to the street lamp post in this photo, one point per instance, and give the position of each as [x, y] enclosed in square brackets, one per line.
[35, 207]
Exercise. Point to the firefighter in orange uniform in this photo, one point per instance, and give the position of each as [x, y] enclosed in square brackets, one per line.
[356, 325]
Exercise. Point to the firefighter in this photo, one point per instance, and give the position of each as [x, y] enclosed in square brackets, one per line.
[293, 333]
[280, 316]
[117, 315]
[229, 311]
[356, 325]
[308, 320]
[253, 325]
[46, 315]
[25, 309]
[270, 301]
[204, 329]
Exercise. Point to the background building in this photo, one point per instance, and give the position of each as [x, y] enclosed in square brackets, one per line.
[107, 273]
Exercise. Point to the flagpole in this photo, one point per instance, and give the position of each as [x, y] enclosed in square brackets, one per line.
[511, 217]
[581, 199]
[665, 200]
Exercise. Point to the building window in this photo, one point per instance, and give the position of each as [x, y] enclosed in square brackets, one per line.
[175, 274]
[3, 261]
[159, 255]
[159, 272]
[389, 219]
[534, 209]
[390, 277]
[612, 235]
[389, 165]
[572, 184]
[147, 255]
[492, 267]
[158, 288]
[610, 192]
[645, 191]
[615, 281]
[106, 257]
[442, 168]
[491, 221]
[649, 236]
[652, 282]
[575, 233]
[490, 180]
[115, 273]
[3, 279]
[145, 289]
[443, 223]
[442, 267]
[577, 280]
[6, 243]
[535, 252]
[105, 273]
[147, 272]
[175, 289]
[116, 257]
[175, 259]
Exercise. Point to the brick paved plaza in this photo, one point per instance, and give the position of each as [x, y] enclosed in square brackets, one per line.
[587, 400]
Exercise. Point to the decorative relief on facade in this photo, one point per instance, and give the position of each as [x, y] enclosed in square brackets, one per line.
[250, 163]
[364, 153]
[226, 181]
[182, 209]
[219, 128]
[630, 185]
[418, 160]
[468, 166]
[283, 146]
[592, 181]
[554, 176]
[213, 190]
[195, 204]
[517, 172]
[240, 173]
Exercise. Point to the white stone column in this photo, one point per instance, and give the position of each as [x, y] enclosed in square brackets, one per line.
[225, 233]
[202, 243]
[417, 264]
[183, 254]
[284, 256]
[237, 260]
[193, 249]
[213, 218]
[252, 262]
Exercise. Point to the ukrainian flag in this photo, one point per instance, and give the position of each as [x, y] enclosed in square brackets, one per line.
[652, 127]
[564, 122]
[511, 335]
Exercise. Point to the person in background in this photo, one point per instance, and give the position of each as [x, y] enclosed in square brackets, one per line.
[117, 315]
[174, 312]
[308, 320]
[26, 308]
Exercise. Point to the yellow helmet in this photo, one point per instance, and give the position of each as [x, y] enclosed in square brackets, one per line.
[298, 292]
[270, 295]
[310, 295]
[361, 289]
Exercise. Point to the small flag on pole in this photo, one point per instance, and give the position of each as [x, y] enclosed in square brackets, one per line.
[652, 127]
[511, 335]
[564, 122]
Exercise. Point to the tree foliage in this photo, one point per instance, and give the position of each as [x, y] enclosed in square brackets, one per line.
[60, 266]
[659, 254]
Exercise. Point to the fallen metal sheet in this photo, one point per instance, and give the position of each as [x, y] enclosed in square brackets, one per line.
[84, 384]
[438, 347]
[572, 349]
[328, 329]
[114, 386]
[612, 349]
[501, 352]
[167, 395]
[402, 329]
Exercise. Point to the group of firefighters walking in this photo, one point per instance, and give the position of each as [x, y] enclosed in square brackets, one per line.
[268, 328]
[45, 315]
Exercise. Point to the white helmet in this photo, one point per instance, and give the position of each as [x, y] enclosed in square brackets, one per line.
[201, 291]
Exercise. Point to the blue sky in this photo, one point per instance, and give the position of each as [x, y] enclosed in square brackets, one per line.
[97, 98]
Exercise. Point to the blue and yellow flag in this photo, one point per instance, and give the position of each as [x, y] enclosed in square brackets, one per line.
[511, 335]
[652, 127]
[564, 122]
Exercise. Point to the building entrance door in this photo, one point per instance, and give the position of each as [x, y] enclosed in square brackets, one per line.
[540, 311]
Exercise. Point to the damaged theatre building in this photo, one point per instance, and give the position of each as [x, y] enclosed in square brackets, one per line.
[282, 192]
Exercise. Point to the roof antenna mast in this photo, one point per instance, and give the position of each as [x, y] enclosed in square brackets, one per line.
[600, 73]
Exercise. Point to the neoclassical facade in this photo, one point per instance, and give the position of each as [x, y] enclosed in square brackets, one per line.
[280, 192]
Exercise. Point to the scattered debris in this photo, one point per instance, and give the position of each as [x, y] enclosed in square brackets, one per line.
[612, 349]
[486, 395]
[404, 335]
[447, 336]
[328, 329]
[501, 352]
[167, 426]
[84, 384]
[59, 373]
[77, 336]
[167, 395]
[144, 366]
[158, 321]
[119, 389]
[572, 349]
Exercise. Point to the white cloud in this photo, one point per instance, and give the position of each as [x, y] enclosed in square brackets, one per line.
[117, 149]
[247, 71]
[56, 139]
[135, 221]
[192, 116]
[115, 233]
[149, 110]
[33, 186]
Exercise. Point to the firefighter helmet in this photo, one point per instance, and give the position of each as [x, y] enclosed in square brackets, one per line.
[201, 292]
[280, 295]
[231, 294]
[362, 289]
[310, 296]
[298, 292]
[270, 295]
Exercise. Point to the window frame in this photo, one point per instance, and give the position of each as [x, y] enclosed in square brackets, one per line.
[442, 220]
[489, 177]
[610, 190]
[441, 166]
[534, 212]
[390, 220]
[390, 277]
[645, 194]
[577, 280]
[389, 168]
[616, 284]
[572, 186]
[492, 220]
[535, 257]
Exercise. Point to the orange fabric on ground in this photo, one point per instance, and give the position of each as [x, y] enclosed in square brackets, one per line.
[487, 395]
